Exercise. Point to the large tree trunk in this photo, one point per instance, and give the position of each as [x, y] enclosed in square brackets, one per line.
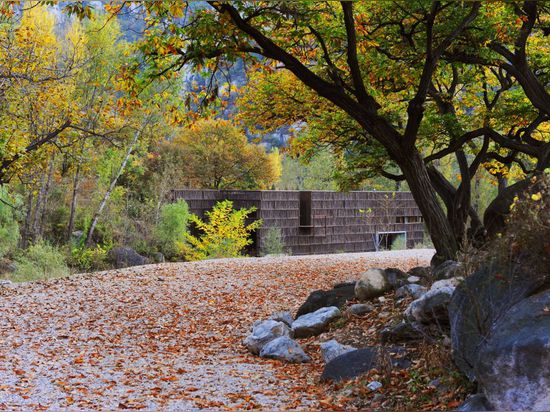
[76, 182]
[25, 233]
[424, 194]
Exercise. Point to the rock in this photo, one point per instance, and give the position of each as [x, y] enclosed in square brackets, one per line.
[446, 270]
[396, 277]
[285, 317]
[332, 349]
[421, 271]
[446, 283]
[5, 282]
[483, 297]
[337, 296]
[413, 279]
[285, 349]
[374, 385]
[158, 258]
[125, 256]
[351, 364]
[431, 307]
[477, 402]
[514, 364]
[359, 309]
[373, 283]
[264, 332]
[402, 332]
[413, 290]
[315, 323]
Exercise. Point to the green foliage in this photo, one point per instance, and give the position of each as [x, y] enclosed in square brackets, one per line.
[40, 261]
[273, 242]
[88, 259]
[171, 230]
[400, 243]
[9, 229]
[225, 234]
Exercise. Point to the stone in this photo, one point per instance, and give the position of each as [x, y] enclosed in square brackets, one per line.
[122, 257]
[315, 323]
[446, 283]
[421, 271]
[513, 366]
[285, 317]
[446, 270]
[395, 277]
[264, 332]
[5, 282]
[360, 309]
[285, 349]
[483, 298]
[374, 385]
[332, 349]
[473, 403]
[351, 364]
[338, 296]
[372, 283]
[431, 307]
[412, 290]
[413, 279]
[159, 258]
[402, 332]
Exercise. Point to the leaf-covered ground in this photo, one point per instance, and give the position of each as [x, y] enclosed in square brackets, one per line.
[166, 336]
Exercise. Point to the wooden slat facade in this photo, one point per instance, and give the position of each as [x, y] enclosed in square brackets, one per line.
[315, 222]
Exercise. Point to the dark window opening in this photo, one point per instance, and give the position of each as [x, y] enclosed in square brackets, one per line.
[391, 241]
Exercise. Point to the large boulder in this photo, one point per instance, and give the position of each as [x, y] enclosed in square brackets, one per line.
[421, 272]
[402, 332]
[372, 283]
[264, 332]
[285, 349]
[351, 364]
[285, 317]
[483, 298]
[475, 403]
[338, 296]
[332, 349]
[413, 290]
[122, 257]
[446, 270]
[513, 366]
[431, 307]
[395, 277]
[315, 323]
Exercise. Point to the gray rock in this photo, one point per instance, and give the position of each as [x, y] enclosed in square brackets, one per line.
[413, 290]
[446, 283]
[431, 307]
[514, 365]
[374, 385]
[413, 279]
[372, 283]
[421, 271]
[359, 309]
[264, 332]
[448, 269]
[338, 296]
[159, 258]
[477, 402]
[402, 332]
[351, 364]
[332, 349]
[396, 277]
[315, 323]
[483, 298]
[5, 282]
[285, 349]
[122, 257]
[285, 317]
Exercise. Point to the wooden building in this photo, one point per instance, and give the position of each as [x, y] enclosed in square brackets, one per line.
[315, 222]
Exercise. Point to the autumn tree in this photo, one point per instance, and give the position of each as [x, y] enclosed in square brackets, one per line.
[215, 154]
[396, 70]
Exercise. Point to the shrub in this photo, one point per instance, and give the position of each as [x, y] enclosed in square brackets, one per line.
[40, 261]
[273, 242]
[171, 230]
[9, 229]
[224, 235]
[88, 259]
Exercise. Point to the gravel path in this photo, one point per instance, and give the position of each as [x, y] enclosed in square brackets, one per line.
[165, 336]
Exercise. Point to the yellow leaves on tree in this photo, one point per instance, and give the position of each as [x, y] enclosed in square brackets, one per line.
[225, 234]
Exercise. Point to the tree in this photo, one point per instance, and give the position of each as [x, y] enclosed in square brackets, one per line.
[388, 66]
[216, 155]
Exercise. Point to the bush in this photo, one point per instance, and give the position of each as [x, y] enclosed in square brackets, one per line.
[273, 242]
[224, 235]
[40, 261]
[172, 228]
[9, 229]
[88, 259]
